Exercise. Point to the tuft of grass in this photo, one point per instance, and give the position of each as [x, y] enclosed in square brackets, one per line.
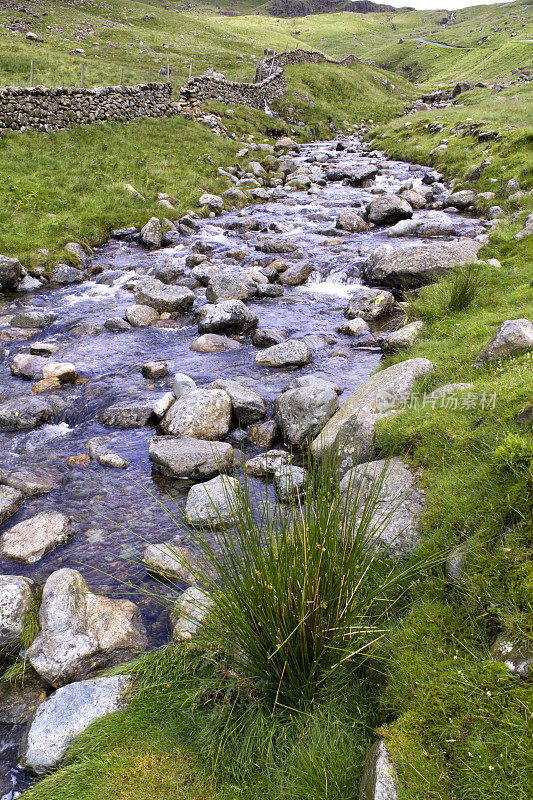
[463, 288]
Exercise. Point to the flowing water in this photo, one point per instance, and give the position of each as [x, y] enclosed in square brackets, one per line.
[109, 365]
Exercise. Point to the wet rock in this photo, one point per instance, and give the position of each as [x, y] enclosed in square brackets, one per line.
[43, 348]
[10, 273]
[248, 405]
[158, 295]
[188, 457]
[515, 655]
[357, 176]
[414, 198]
[63, 274]
[161, 406]
[388, 209]
[302, 413]
[405, 337]
[99, 451]
[461, 200]
[266, 337]
[268, 244]
[206, 272]
[263, 434]
[140, 315]
[369, 304]
[81, 631]
[266, 464]
[170, 271]
[117, 325]
[358, 329]
[32, 320]
[31, 482]
[224, 287]
[212, 504]
[32, 538]
[228, 316]
[349, 220]
[396, 516]
[19, 700]
[412, 267]
[23, 413]
[291, 353]
[202, 414]
[512, 337]
[16, 597]
[315, 380]
[27, 366]
[191, 608]
[296, 275]
[66, 713]
[154, 369]
[46, 385]
[351, 429]
[182, 384]
[172, 561]
[64, 371]
[379, 781]
[406, 227]
[290, 482]
[269, 291]
[152, 233]
[214, 343]
[126, 415]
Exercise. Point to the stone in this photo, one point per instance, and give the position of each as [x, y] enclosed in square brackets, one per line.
[461, 200]
[212, 201]
[27, 366]
[266, 464]
[359, 331]
[269, 291]
[415, 266]
[214, 343]
[453, 566]
[263, 434]
[450, 388]
[350, 220]
[516, 656]
[357, 176]
[182, 384]
[126, 415]
[379, 781]
[31, 482]
[23, 413]
[64, 371]
[229, 316]
[395, 520]
[75, 249]
[315, 380]
[202, 414]
[414, 198]
[248, 405]
[81, 632]
[404, 337]
[388, 209]
[170, 271]
[190, 610]
[351, 429]
[161, 406]
[188, 457]
[16, 598]
[302, 413]
[66, 714]
[205, 272]
[268, 244]
[46, 385]
[32, 538]
[154, 369]
[290, 482]
[514, 336]
[19, 699]
[158, 295]
[10, 502]
[296, 274]
[369, 304]
[152, 233]
[527, 230]
[224, 287]
[291, 353]
[63, 274]
[406, 227]
[511, 186]
[139, 316]
[174, 562]
[10, 273]
[99, 451]
[117, 325]
[212, 504]
[266, 337]
[32, 320]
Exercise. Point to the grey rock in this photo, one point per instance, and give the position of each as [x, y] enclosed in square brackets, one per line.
[189, 613]
[453, 566]
[296, 274]
[379, 781]
[266, 337]
[349, 220]
[27, 366]
[117, 325]
[32, 538]
[461, 200]
[170, 271]
[99, 451]
[154, 369]
[174, 562]
[187, 457]
[66, 714]
[161, 406]
[158, 295]
[415, 198]
[404, 337]
[224, 287]
[10, 273]
[139, 316]
[269, 291]
[369, 304]
[205, 272]
[229, 316]
[126, 415]
[214, 343]
[291, 353]
[212, 504]
[388, 209]
[23, 413]
[16, 597]
[75, 249]
[212, 201]
[182, 384]
[450, 388]
[514, 336]
[63, 274]
[202, 414]
[315, 380]
[263, 434]
[81, 631]
[34, 481]
[515, 655]
[266, 464]
[290, 482]
[248, 405]
[302, 413]
[152, 233]
[32, 320]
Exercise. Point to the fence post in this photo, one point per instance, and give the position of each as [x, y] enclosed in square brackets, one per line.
[121, 75]
[31, 74]
[82, 76]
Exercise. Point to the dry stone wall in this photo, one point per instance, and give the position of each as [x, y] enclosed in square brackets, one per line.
[45, 109]
[255, 95]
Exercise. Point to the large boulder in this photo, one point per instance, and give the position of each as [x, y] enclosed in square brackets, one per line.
[202, 414]
[461, 200]
[152, 233]
[369, 304]
[396, 517]
[187, 457]
[23, 413]
[248, 405]
[512, 337]
[10, 273]
[291, 353]
[10, 502]
[162, 297]
[212, 504]
[25, 365]
[351, 429]
[16, 597]
[67, 713]
[388, 209]
[302, 413]
[227, 316]
[81, 632]
[32, 538]
[415, 266]
[290, 482]
[224, 287]
[379, 781]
